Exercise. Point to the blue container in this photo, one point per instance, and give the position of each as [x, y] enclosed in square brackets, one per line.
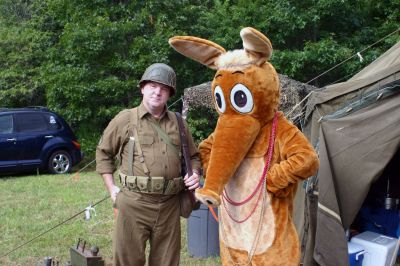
[379, 220]
[202, 233]
[356, 254]
[398, 235]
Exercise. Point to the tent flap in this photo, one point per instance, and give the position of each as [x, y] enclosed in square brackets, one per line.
[355, 126]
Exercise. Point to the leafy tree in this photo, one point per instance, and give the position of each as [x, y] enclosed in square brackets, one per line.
[202, 122]
[22, 50]
[84, 59]
[308, 36]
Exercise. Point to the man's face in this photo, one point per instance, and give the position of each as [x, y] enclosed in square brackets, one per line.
[155, 95]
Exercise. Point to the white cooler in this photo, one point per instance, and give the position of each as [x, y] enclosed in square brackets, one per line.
[380, 250]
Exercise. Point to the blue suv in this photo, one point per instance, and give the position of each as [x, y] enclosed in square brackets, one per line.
[35, 138]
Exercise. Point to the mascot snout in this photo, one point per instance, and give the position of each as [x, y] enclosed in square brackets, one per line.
[230, 146]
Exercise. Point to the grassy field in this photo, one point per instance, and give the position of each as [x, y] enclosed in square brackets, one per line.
[32, 204]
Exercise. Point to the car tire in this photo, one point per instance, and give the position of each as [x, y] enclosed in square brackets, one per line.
[59, 162]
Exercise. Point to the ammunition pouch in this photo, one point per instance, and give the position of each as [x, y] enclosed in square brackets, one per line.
[152, 185]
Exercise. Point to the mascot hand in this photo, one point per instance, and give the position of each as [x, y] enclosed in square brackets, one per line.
[208, 197]
[278, 192]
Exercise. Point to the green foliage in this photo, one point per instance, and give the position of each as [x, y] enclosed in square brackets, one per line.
[83, 59]
[22, 49]
[308, 36]
[202, 122]
[93, 70]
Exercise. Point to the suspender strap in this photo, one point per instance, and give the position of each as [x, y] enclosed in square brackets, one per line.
[133, 120]
[161, 133]
[141, 156]
[131, 146]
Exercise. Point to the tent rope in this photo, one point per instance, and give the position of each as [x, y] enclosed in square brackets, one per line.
[356, 54]
[337, 65]
[54, 227]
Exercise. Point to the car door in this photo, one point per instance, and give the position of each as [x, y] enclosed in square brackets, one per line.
[9, 154]
[32, 134]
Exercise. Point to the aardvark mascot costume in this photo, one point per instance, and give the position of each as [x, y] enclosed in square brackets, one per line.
[254, 158]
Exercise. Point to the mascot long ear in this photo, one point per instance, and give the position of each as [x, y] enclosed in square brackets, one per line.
[257, 44]
[200, 50]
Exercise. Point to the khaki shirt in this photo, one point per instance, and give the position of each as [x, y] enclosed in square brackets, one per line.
[159, 157]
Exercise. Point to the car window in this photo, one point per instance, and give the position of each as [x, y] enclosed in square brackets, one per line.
[29, 122]
[6, 124]
[52, 122]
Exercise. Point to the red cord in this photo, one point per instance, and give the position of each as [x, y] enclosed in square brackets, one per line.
[263, 175]
[262, 179]
[213, 213]
[248, 216]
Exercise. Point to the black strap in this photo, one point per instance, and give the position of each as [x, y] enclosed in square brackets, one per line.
[185, 149]
[184, 143]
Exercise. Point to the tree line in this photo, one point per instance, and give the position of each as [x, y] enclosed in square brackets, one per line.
[83, 59]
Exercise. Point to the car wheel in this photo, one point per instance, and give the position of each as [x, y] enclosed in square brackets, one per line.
[60, 162]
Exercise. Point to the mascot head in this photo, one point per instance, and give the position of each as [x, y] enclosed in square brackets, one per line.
[246, 94]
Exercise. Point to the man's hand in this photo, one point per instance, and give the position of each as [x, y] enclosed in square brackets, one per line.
[192, 182]
[114, 191]
[111, 187]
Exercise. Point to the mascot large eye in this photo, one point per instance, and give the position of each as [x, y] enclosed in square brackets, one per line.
[219, 99]
[242, 99]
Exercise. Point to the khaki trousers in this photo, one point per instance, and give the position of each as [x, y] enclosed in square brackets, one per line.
[143, 217]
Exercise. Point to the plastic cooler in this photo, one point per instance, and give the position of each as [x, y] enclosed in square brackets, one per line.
[356, 254]
[202, 233]
[380, 250]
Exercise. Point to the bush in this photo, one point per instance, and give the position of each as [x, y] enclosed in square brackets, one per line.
[202, 122]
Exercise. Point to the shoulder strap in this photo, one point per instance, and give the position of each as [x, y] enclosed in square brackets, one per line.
[186, 155]
[184, 143]
[161, 133]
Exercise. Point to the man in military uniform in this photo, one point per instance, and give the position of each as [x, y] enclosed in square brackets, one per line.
[150, 173]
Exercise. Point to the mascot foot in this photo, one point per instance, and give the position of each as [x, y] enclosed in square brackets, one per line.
[208, 197]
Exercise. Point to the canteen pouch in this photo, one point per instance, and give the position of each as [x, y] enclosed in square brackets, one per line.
[187, 203]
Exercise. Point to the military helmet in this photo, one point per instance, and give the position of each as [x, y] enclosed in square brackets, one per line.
[160, 73]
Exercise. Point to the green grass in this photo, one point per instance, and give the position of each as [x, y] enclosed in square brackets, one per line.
[32, 204]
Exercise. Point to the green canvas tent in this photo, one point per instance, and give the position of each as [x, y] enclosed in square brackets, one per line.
[355, 128]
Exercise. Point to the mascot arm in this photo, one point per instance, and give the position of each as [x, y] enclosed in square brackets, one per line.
[298, 160]
[205, 152]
